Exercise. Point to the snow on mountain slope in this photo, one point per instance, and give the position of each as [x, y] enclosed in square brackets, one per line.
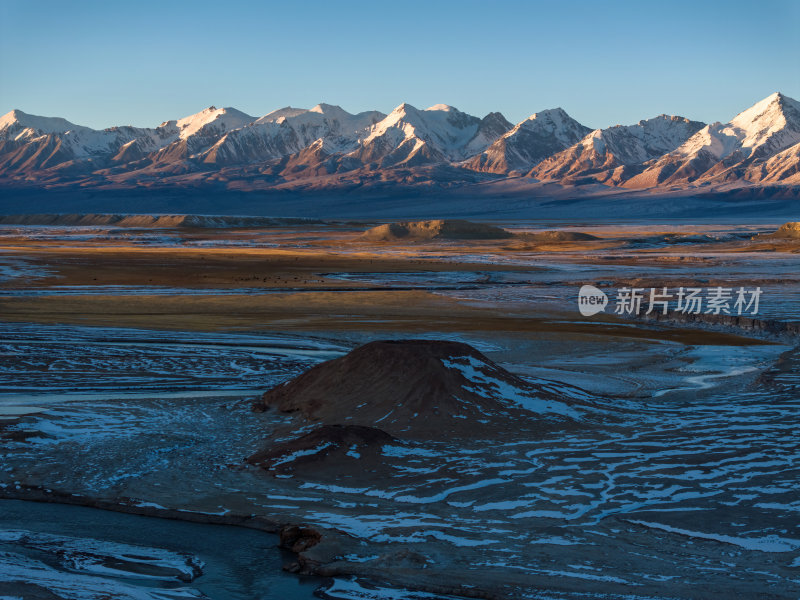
[328, 146]
[604, 150]
[285, 112]
[18, 125]
[724, 151]
[326, 126]
[491, 127]
[782, 168]
[31, 142]
[409, 136]
[769, 126]
[58, 142]
[90, 142]
[328, 122]
[212, 121]
[534, 139]
[196, 134]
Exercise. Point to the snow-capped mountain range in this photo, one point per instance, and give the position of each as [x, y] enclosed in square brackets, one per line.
[326, 146]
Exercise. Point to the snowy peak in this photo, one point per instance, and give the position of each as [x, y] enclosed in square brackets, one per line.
[529, 142]
[598, 155]
[324, 129]
[218, 119]
[556, 114]
[767, 127]
[404, 112]
[551, 127]
[404, 108]
[438, 133]
[330, 110]
[644, 140]
[491, 127]
[774, 110]
[325, 120]
[442, 107]
[339, 121]
[281, 113]
[437, 111]
[322, 113]
[774, 121]
[556, 121]
[17, 125]
[725, 152]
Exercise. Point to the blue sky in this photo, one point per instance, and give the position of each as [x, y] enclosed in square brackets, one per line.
[111, 63]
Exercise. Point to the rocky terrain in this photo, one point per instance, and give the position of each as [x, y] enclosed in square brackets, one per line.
[789, 230]
[438, 229]
[327, 148]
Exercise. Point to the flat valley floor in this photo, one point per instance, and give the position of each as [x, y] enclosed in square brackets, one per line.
[130, 360]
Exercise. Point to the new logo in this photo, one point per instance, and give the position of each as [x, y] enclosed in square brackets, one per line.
[591, 300]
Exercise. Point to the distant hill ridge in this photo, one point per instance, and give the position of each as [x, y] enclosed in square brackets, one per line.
[149, 221]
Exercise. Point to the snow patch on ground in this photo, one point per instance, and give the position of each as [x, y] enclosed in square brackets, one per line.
[474, 370]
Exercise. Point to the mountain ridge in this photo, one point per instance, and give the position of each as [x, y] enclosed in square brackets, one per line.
[299, 148]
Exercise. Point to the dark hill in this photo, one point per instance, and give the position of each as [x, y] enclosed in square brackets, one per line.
[418, 389]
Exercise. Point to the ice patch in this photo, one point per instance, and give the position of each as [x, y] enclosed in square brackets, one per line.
[301, 453]
[78, 586]
[769, 543]
[352, 589]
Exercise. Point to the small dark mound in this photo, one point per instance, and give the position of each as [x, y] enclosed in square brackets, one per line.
[558, 236]
[298, 538]
[451, 229]
[337, 441]
[414, 388]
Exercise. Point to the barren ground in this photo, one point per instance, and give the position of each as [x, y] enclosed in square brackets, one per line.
[130, 360]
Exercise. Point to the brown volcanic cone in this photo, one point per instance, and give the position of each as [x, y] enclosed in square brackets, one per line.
[418, 389]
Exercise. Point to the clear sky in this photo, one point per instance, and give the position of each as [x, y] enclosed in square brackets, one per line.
[123, 62]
